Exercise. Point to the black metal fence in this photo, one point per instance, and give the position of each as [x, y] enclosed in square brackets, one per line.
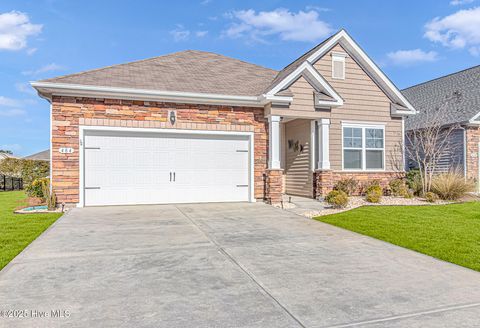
[10, 183]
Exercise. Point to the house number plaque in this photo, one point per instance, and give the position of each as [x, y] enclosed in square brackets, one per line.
[66, 150]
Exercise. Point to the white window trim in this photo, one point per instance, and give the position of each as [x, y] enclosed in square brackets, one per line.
[364, 148]
[339, 57]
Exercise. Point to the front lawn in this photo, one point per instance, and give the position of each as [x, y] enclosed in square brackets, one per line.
[19, 230]
[448, 232]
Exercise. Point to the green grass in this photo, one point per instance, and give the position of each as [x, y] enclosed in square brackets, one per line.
[448, 232]
[19, 230]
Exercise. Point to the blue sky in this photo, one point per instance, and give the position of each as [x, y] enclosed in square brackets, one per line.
[412, 41]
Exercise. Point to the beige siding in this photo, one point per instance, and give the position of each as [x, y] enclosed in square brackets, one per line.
[302, 96]
[364, 101]
[298, 174]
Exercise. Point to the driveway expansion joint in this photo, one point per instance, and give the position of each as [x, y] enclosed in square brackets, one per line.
[243, 269]
[407, 315]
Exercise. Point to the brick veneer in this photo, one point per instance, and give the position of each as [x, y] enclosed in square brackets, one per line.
[274, 186]
[324, 180]
[473, 138]
[69, 112]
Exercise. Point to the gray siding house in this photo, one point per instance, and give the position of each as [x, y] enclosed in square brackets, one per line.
[464, 113]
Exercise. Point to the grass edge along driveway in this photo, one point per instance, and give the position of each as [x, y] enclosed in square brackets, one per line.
[17, 231]
[447, 232]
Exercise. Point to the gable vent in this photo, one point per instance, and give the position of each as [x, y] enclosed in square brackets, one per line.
[338, 65]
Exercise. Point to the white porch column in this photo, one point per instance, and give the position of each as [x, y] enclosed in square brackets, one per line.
[274, 142]
[323, 144]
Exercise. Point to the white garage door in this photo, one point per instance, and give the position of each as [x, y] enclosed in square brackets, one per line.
[159, 168]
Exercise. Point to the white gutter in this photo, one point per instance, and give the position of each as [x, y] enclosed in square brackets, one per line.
[76, 90]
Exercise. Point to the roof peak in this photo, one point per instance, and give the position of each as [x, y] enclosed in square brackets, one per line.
[193, 51]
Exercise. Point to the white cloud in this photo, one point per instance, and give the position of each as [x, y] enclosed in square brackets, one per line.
[457, 31]
[12, 112]
[201, 34]
[31, 51]
[289, 26]
[180, 33]
[25, 88]
[460, 2]
[15, 28]
[9, 102]
[44, 69]
[205, 2]
[410, 57]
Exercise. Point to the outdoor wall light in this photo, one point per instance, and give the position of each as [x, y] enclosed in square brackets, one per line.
[172, 117]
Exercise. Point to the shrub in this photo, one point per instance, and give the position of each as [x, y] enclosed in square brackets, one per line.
[406, 193]
[337, 198]
[348, 185]
[451, 185]
[397, 186]
[35, 189]
[431, 197]
[373, 193]
[49, 195]
[28, 170]
[414, 181]
[369, 184]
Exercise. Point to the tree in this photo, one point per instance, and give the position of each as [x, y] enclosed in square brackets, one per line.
[429, 140]
[4, 151]
[28, 170]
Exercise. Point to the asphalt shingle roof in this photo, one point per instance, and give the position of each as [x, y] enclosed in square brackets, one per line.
[40, 156]
[431, 95]
[185, 71]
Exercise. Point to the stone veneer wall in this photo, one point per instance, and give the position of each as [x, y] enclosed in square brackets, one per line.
[70, 112]
[274, 186]
[324, 180]
[473, 138]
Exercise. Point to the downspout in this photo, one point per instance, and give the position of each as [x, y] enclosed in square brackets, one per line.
[464, 152]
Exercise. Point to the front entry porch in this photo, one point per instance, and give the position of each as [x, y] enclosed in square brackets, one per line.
[298, 147]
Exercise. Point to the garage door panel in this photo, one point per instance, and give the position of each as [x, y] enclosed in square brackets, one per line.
[134, 168]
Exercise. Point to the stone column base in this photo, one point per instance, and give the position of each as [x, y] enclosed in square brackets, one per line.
[273, 186]
[322, 183]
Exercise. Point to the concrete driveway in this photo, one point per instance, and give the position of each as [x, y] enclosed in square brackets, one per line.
[227, 265]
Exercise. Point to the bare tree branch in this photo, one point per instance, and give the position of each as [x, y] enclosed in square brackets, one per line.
[430, 141]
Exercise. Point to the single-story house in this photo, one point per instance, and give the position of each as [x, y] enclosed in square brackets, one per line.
[4, 155]
[462, 114]
[196, 126]
[43, 155]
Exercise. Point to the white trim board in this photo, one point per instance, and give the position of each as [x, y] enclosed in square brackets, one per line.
[76, 90]
[83, 129]
[321, 83]
[475, 119]
[354, 49]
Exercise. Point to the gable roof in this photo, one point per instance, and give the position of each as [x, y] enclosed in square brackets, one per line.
[402, 105]
[430, 95]
[40, 156]
[203, 77]
[287, 70]
[185, 71]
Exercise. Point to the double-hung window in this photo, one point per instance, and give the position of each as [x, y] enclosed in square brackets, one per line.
[363, 147]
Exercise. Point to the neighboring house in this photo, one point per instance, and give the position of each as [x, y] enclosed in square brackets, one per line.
[464, 113]
[196, 126]
[40, 156]
[5, 155]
